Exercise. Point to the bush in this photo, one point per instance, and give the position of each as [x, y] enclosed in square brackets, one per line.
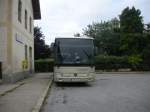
[135, 61]
[44, 65]
[103, 62]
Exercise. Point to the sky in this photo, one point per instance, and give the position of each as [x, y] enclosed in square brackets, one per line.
[62, 18]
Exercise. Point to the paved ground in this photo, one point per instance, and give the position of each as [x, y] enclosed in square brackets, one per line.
[109, 93]
[24, 97]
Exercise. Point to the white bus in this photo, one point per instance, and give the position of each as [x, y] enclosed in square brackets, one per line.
[74, 59]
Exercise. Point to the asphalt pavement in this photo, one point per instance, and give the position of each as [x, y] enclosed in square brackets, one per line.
[109, 93]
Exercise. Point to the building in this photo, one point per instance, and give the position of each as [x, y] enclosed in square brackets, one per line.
[16, 38]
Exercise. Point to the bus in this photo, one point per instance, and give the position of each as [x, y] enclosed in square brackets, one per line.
[74, 59]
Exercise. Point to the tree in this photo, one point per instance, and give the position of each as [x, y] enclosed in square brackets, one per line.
[132, 43]
[126, 37]
[147, 28]
[146, 49]
[131, 21]
[77, 35]
[41, 50]
[106, 36]
[131, 25]
[119, 37]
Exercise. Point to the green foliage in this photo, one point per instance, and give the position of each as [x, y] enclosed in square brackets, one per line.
[132, 43]
[146, 51]
[135, 61]
[131, 21]
[106, 36]
[124, 39]
[119, 38]
[131, 25]
[41, 50]
[104, 62]
[44, 65]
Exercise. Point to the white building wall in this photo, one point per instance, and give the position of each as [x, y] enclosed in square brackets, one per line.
[22, 36]
[3, 46]
[13, 38]
[3, 10]
[3, 34]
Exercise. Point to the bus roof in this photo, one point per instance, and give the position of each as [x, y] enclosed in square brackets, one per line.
[83, 37]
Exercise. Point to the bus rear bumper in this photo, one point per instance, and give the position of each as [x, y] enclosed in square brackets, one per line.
[66, 79]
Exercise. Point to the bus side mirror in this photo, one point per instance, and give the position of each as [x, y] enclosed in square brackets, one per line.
[95, 50]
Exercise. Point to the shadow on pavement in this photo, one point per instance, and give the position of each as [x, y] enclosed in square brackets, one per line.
[78, 84]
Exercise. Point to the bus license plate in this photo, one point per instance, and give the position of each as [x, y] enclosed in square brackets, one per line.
[76, 80]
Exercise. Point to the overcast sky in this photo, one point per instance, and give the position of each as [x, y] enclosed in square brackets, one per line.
[66, 17]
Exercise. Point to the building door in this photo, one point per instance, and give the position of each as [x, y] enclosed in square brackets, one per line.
[0, 70]
[30, 59]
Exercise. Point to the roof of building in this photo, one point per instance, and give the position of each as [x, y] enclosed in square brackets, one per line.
[36, 9]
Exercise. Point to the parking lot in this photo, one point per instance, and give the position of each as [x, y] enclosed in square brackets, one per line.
[111, 92]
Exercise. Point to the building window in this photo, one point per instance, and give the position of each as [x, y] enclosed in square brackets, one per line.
[26, 53]
[26, 21]
[30, 25]
[19, 10]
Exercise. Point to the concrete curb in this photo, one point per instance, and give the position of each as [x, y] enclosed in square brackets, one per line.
[12, 89]
[15, 87]
[42, 98]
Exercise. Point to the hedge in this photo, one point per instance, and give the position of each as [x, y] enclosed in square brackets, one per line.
[45, 65]
[103, 62]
